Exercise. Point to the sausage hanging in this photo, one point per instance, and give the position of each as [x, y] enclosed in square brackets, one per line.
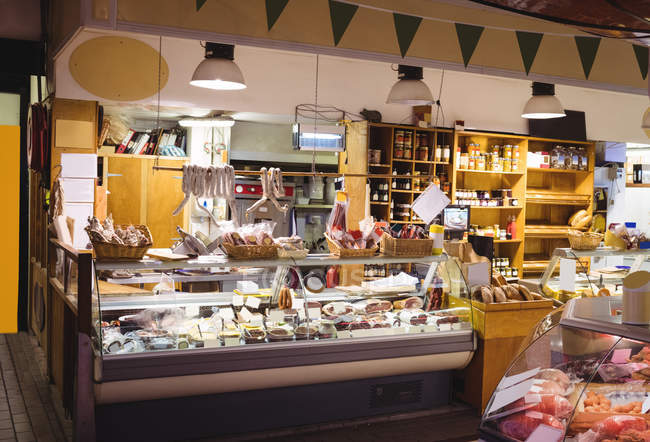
[272, 188]
[209, 182]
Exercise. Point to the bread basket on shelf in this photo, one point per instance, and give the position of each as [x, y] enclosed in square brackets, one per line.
[584, 240]
[250, 251]
[348, 253]
[107, 250]
[405, 247]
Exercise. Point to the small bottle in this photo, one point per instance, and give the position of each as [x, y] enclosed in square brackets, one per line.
[392, 204]
[394, 184]
[375, 195]
[408, 185]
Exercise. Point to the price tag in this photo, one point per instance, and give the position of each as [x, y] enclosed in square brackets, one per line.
[192, 311]
[338, 307]
[276, 315]
[237, 300]
[509, 395]
[515, 379]
[245, 314]
[646, 405]
[429, 328]
[568, 275]
[444, 327]
[253, 301]
[621, 355]
[298, 304]
[314, 313]
[545, 433]
[344, 334]
[226, 313]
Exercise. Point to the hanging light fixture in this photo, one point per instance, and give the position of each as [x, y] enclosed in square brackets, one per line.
[215, 121]
[218, 70]
[645, 122]
[410, 89]
[543, 104]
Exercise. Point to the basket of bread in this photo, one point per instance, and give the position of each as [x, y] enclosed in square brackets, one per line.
[501, 291]
[250, 241]
[118, 241]
[580, 219]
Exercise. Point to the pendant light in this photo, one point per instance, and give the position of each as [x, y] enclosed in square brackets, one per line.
[410, 89]
[543, 104]
[218, 70]
[645, 123]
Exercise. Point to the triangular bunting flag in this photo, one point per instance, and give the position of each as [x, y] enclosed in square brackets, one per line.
[528, 46]
[405, 27]
[641, 53]
[200, 3]
[341, 15]
[468, 37]
[274, 9]
[587, 48]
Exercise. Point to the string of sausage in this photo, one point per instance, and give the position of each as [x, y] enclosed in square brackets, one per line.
[209, 182]
[272, 188]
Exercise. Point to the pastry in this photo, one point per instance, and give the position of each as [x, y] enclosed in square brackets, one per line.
[486, 295]
[523, 291]
[499, 294]
[512, 293]
[536, 296]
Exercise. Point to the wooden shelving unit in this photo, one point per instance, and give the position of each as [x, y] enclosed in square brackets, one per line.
[381, 137]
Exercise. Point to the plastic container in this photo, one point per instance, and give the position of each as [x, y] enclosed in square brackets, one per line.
[436, 232]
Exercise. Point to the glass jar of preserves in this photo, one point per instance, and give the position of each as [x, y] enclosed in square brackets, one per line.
[408, 152]
[514, 164]
[507, 165]
[398, 151]
[507, 151]
[446, 153]
[471, 163]
[480, 165]
[408, 139]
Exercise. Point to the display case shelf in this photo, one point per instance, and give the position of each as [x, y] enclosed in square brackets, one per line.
[549, 170]
[492, 172]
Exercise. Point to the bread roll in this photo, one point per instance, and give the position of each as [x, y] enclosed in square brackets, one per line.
[512, 293]
[575, 216]
[536, 296]
[500, 279]
[499, 294]
[476, 293]
[486, 294]
[523, 291]
[582, 221]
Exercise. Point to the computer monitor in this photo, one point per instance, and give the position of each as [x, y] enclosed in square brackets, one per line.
[455, 218]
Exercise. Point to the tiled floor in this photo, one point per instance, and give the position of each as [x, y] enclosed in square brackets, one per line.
[27, 411]
[30, 411]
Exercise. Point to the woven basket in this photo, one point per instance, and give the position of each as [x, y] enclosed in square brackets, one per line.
[292, 254]
[584, 240]
[348, 253]
[405, 247]
[107, 250]
[251, 252]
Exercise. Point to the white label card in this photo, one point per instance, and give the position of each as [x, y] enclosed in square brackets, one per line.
[226, 313]
[430, 203]
[567, 275]
[507, 381]
[253, 301]
[338, 307]
[192, 311]
[245, 314]
[646, 405]
[237, 300]
[344, 334]
[276, 315]
[298, 304]
[509, 395]
[545, 433]
[314, 313]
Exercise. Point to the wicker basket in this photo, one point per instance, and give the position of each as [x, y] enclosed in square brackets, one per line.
[584, 240]
[348, 253]
[405, 247]
[251, 252]
[292, 254]
[107, 250]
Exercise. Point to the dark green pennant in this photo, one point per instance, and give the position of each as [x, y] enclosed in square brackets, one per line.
[468, 37]
[405, 27]
[641, 53]
[341, 15]
[528, 46]
[587, 48]
[274, 9]
[199, 4]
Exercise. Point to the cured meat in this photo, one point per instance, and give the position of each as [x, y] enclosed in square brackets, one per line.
[631, 436]
[552, 404]
[547, 387]
[413, 303]
[615, 425]
[555, 375]
[373, 306]
[520, 425]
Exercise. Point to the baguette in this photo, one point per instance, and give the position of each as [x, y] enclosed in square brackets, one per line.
[575, 216]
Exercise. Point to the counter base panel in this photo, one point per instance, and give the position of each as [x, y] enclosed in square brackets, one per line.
[184, 418]
[215, 383]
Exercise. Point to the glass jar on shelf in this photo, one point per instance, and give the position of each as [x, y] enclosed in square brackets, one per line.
[446, 153]
[398, 152]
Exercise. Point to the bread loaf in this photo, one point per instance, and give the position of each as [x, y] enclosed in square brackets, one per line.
[575, 216]
[582, 222]
[486, 294]
[499, 294]
[536, 296]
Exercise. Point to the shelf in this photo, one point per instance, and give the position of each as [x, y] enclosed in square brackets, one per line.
[637, 185]
[431, 162]
[392, 221]
[378, 165]
[600, 251]
[379, 203]
[496, 207]
[401, 191]
[505, 241]
[313, 206]
[569, 171]
[402, 160]
[534, 196]
[489, 171]
[547, 231]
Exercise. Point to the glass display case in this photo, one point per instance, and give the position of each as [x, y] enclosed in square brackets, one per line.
[590, 280]
[211, 314]
[582, 378]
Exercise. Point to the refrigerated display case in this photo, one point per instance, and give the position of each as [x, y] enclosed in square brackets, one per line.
[589, 280]
[185, 354]
[582, 378]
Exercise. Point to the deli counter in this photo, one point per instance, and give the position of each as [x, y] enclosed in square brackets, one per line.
[161, 353]
[584, 376]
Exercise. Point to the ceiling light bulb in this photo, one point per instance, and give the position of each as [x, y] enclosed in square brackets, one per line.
[543, 104]
[409, 88]
[218, 70]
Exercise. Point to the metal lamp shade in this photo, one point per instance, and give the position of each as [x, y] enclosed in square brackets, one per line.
[412, 92]
[543, 107]
[218, 73]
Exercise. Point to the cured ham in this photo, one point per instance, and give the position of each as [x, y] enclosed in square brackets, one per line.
[521, 425]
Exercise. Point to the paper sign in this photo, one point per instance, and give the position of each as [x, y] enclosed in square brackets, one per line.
[253, 302]
[509, 395]
[298, 304]
[646, 405]
[78, 165]
[507, 381]
[245, 314]
[276, 315]
[478, 273]
[344, 334]
[226, 313]
[621, 355]
[192, 311]
[237, 300]
[444, 327]
[314, 313]
[567, 275]
[545, 433]
[430, 203]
